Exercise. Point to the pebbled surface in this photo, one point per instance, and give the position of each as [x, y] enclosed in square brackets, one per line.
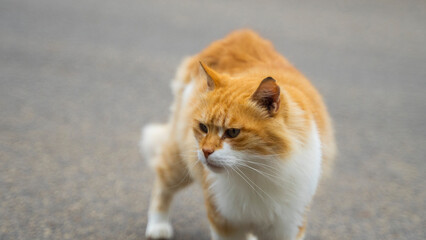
[79, 78]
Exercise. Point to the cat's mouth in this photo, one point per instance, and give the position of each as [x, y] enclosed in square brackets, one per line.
[214, 167]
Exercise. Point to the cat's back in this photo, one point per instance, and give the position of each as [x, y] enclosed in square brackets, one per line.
[239, 51]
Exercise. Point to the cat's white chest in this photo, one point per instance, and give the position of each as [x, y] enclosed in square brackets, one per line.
[281, 193]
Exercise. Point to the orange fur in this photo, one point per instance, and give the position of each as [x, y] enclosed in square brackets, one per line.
[245, 55]
[234, 67]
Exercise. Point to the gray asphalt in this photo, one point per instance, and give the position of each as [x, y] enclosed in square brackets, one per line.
[78, 79]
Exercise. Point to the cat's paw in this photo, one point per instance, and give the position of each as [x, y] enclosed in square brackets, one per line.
[251, 237]
[159, 230]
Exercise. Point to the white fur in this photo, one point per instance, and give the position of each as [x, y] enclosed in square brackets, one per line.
[159, 226]
[153, 135]
[275, 202]
[187, 92]
[178, 82]
[251, 237]
[221, 131]
[222, 155]
[219, 157]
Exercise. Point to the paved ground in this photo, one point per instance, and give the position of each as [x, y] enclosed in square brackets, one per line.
[79, 78]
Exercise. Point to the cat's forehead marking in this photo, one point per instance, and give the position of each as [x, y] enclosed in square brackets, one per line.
[221, 120]
[227, 121]
[216, 116]
[221, 131]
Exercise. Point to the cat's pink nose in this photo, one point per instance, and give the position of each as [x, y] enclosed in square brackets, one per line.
[207, 152]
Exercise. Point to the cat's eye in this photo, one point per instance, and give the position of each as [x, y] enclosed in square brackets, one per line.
[232, 132]
[204, 128]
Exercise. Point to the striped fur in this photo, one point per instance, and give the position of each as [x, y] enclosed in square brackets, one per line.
[260, 181]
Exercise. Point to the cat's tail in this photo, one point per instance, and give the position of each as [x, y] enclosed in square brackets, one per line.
[152, 138]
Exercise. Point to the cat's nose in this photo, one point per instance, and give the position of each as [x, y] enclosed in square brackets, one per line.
[207, 152]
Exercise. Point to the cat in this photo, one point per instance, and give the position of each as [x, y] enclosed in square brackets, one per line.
[252, 131]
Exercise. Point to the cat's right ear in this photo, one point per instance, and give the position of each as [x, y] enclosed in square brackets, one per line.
[267, 95]
[210, 75]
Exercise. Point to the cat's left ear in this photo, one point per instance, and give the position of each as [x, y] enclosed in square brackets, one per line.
[211, 76]
[267, 95]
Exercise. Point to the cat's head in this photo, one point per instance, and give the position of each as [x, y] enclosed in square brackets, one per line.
[238, 120]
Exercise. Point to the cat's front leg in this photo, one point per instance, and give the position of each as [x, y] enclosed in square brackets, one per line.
[171, 177]
[159, 226]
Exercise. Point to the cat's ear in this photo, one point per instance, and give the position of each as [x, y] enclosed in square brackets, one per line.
[267, 95]
[211, 76]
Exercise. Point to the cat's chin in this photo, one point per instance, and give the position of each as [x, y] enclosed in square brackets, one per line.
[214, 168]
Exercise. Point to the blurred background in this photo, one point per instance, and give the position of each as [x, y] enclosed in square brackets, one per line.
[78, 79]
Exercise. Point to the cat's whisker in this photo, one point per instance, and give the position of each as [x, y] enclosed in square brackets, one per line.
[267, 167]
[249, 181]
[271, 172]
[272, 199]
[275, 179]
[236, 171]
[227, 173]
[271, 177]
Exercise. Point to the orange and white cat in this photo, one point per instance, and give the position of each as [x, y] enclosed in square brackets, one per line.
[252, 130]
